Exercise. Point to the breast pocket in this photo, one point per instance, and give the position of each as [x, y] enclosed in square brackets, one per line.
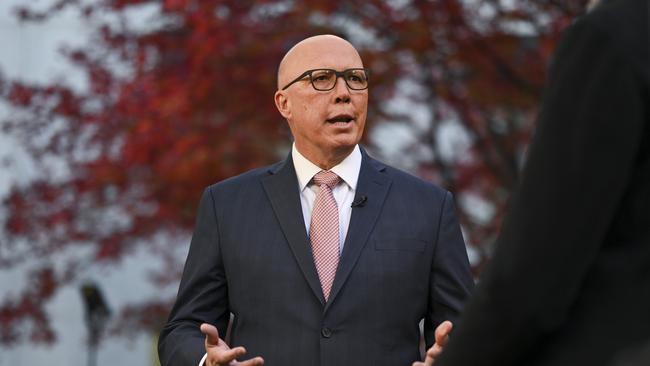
[401, 244]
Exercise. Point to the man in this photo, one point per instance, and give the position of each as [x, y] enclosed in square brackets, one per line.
[328, 258]
[569, 283]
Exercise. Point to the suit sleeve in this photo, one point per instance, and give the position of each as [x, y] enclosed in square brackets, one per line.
[202, 295]
[579, 163]
[451, 281]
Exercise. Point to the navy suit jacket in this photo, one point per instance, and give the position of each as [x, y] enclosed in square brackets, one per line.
[403, 260]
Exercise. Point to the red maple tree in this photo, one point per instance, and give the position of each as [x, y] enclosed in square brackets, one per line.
[186, 100]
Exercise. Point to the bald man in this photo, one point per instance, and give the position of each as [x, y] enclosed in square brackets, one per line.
[327, 258]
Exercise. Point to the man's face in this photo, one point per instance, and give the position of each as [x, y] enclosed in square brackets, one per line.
[323, 123]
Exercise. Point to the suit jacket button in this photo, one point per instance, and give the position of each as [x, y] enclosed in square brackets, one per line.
[326, 332]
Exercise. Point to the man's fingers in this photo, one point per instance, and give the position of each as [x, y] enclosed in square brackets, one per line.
[442, 333]
[434, 352]
[441, 337]
[211, 334]
[225, 356]
[220, 354]
[257, 361]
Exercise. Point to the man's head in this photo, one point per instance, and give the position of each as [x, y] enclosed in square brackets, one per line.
[326, 125]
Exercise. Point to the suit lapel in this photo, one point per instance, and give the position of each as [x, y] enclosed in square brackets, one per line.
[373, 184]
[282, 189]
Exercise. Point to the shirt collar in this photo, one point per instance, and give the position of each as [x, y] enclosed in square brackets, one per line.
[347, 170]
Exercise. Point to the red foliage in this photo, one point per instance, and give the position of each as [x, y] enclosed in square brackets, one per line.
[16, 313]
[188, 101]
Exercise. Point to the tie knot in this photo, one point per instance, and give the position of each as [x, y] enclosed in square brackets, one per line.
[326, 177]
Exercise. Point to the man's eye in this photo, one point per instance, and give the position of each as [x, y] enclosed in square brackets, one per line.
[354, 78]
[320, 77]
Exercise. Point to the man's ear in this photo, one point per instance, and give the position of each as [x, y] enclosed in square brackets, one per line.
[282, 103]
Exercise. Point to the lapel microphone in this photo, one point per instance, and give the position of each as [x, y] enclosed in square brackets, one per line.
[360, 201]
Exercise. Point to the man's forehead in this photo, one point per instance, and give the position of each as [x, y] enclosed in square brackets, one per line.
[325, 51]
[334, 58]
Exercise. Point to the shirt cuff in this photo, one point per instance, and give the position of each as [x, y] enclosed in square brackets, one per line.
[203, 359]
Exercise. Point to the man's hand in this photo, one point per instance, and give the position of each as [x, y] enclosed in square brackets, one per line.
[219, 354]
[442, 337]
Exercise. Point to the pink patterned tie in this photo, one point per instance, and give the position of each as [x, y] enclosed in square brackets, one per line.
[324, 230]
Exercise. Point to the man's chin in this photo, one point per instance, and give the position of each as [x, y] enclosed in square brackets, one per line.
[344, 144]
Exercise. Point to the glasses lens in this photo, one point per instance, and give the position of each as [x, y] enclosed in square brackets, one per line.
[323, 79]
[356, 79]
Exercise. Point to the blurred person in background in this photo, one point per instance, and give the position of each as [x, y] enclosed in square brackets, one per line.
[328, 258]
[569, 283]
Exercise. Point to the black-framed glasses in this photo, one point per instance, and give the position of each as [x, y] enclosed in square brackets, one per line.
[325, 79]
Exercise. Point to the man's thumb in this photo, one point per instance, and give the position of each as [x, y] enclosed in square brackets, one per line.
[211, 334]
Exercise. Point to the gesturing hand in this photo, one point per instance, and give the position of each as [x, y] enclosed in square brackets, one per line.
[442, 337]
[219, 354]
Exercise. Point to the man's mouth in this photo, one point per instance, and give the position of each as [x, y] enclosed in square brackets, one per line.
[345, 118]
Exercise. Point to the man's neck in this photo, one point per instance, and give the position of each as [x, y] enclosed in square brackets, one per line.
[326, 161]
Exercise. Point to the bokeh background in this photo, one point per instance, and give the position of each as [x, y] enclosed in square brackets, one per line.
[115, 114]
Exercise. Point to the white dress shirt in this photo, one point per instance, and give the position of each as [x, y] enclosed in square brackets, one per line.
[347, 170]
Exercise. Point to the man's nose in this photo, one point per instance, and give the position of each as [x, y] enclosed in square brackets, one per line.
[341, 90]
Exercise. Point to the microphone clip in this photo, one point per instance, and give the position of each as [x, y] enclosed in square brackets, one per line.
[359, 201]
